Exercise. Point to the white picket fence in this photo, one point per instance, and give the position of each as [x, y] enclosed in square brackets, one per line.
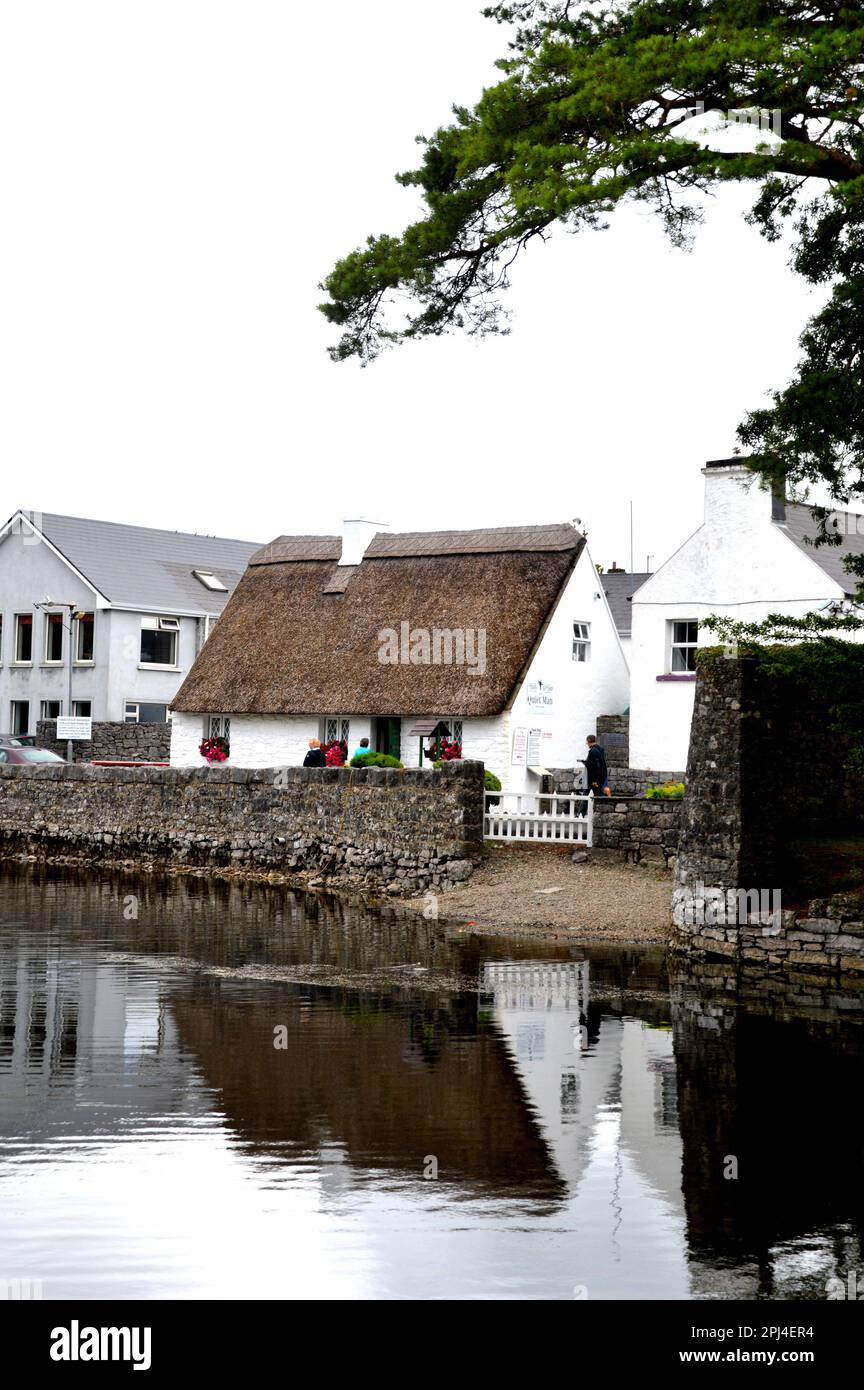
[539, 818]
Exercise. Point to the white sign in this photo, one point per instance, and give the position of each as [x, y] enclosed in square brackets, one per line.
[75, 726]
[519, 756]
[534, 747]
[539, 697]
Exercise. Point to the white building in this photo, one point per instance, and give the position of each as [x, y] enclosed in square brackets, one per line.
[752, 556]
[145, 601]
[502, 639]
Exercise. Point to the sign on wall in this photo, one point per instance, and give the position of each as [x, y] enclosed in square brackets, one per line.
[539, 697]
[519, 756]
[75, 726]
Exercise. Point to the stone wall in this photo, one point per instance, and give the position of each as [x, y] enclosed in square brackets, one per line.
[111, 742]
[613, 732]
[636, 831]
[403, 830]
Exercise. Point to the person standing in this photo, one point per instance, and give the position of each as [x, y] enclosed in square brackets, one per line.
[363, 747]
[596, 771]
[315, 757]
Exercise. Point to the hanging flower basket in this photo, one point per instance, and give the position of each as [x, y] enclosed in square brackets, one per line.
[443, 750]
[336, 752]
[214, 750]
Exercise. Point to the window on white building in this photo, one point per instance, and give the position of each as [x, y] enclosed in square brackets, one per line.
[144, 712]
[53, 638]
[84, 637]
[50, 709]
[218, 726]
[338, 727]
[683, 641]
[20, 717]
[23, 638]
[82, 709]
[581, 641]
[159, 641]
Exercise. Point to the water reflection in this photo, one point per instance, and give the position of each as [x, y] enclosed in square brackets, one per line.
[580, 1109]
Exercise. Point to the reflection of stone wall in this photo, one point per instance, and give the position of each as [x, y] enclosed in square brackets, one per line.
[767, 1069]
[111, 742]
[404, 829]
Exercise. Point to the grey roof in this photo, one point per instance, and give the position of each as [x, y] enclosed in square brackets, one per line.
[146, 568]
[491, 540]
[619, 587]
[803, 529]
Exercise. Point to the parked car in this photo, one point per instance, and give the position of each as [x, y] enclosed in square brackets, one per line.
[18, 740]
[25, 757]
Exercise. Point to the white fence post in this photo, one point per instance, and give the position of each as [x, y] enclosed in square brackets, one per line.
[532, 817]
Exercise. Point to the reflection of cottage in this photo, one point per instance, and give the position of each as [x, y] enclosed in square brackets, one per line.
[501, 640]
[752, 556]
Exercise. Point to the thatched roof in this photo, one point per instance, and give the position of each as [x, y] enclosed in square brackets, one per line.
[300, 636]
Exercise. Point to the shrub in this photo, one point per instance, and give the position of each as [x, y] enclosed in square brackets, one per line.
[374, 760]
[669, 791]
[491, 782]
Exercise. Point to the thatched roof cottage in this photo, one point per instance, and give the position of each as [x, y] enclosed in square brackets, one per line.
[501, 639]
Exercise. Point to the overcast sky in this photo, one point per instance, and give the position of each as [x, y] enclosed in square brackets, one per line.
[178, 177]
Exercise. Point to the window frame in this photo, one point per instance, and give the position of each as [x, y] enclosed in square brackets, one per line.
[580, 650]
[12, 729]
[217, 726]
[53, 621]
[136, 705]
[341, 722]
[76, 712]
[43, 714]
[22, 621]
[687, 647]
[80, 627]
[160, 625]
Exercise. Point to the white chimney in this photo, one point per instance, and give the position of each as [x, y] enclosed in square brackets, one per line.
[735, 497]
[356, 535]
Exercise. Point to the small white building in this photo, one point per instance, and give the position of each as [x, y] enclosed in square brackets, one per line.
[132, 607]
[752, 556]
[501, 639]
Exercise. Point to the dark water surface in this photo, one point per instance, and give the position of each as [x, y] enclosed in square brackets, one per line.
[579, 1106]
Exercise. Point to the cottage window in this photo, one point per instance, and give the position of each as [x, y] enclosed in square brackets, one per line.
[338, 728]
[23, 639]
[683, 641]
[50, 709]
[581, 641]
[54, 638]
[84, 637]
[218, 726]
[159, 641]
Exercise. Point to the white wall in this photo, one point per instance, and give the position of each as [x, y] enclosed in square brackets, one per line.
[738, 564]
[580, 690]
[256, 740]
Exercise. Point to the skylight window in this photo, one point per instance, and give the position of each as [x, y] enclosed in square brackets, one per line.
[210, 581]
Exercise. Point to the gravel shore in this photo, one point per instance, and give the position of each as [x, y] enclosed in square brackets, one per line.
[542, 890]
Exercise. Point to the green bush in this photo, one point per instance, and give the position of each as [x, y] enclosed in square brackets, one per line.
[669, 791]
[374, 760]
[491, 782]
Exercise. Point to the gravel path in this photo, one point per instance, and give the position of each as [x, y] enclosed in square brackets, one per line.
[541, 889]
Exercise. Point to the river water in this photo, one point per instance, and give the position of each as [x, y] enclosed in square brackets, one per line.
[222, 1091]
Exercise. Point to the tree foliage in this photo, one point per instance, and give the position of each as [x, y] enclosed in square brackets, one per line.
[584, 119]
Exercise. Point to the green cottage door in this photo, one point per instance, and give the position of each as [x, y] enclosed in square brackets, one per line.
[388, 736]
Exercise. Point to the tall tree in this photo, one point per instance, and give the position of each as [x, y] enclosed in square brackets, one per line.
[586, 117]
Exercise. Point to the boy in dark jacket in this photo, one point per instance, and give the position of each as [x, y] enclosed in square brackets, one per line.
[596, 771]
